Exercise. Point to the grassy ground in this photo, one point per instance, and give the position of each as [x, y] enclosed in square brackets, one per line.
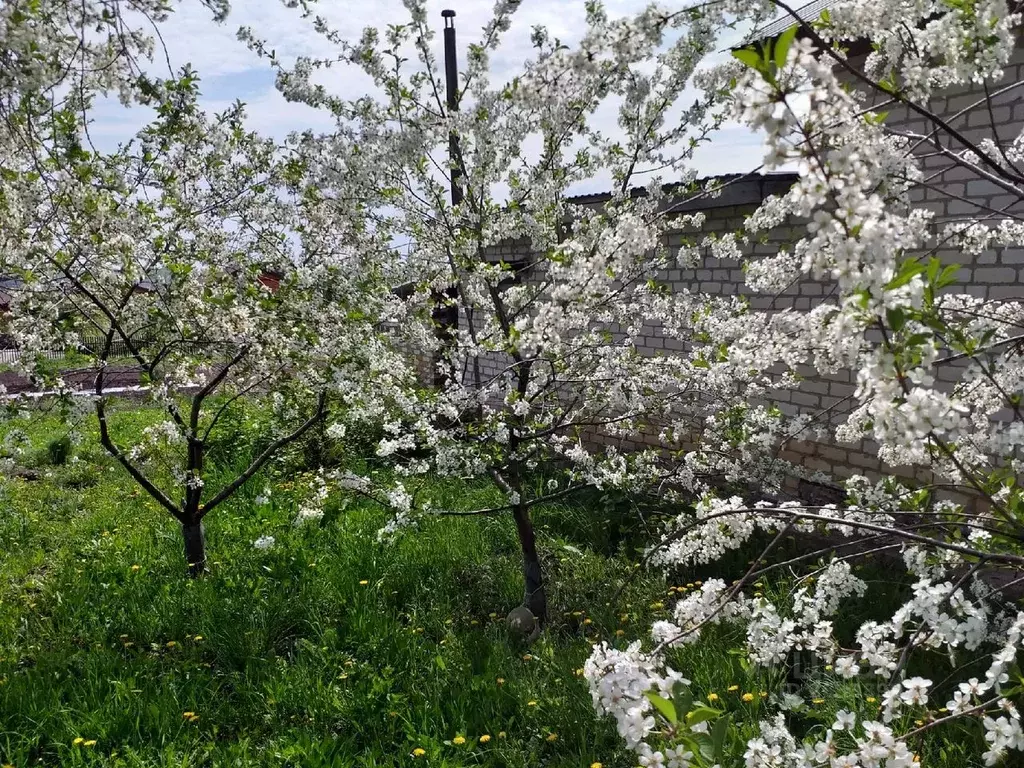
[330, 649]
[70, 360]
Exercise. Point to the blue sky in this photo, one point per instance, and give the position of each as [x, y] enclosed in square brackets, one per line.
[229, 71]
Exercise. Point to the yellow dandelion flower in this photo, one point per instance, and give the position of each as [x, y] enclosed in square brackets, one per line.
[764, 694]
[474, 622]
[501, 734]
[587, 621]
[596, 765]
[579, 672]
[747, 697]
[459, 740]
[89, 743]
[501, 681]
[187, 715]
[620, 632]
[198, 638]
[657, 606]
[871, 699]
[485, 738]
[712, 697]
[531, 703]
[172, 643]
[363, 583]
[733, 688]
[492, 615]
[817, 701]
[136, 568]
[577, 614]
[527, 656]
[698, 582]
[419, 752]
[78, 741]
[552, 737]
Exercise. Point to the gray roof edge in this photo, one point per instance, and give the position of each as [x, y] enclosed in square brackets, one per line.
[737, 189]
[806, 13]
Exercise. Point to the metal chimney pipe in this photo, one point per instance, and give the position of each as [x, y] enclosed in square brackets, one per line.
[451, 74]
[446, 311]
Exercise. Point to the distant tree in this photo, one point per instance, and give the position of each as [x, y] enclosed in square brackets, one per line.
[152, 254]
[546, 354]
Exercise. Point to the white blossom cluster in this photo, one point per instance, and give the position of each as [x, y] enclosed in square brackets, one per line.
[311, 510]
[707, 605]
[891, 322]
[619, 682]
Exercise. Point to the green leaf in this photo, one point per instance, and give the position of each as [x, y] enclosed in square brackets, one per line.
[783, 44]
[700, 714]
[707, 750]
[948, 275]
[897, 318]
[908, 269]
[683, 699]
[664, 706]
[917, 339]
[748, 56]
[718, 733]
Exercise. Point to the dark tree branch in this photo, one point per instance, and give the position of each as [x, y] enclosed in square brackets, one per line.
[136, 474]
[262, 459]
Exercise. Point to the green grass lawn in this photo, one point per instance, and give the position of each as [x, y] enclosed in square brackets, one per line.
[329, 649]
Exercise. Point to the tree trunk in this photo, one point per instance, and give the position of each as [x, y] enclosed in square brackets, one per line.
[195, 548]
[534, 596]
